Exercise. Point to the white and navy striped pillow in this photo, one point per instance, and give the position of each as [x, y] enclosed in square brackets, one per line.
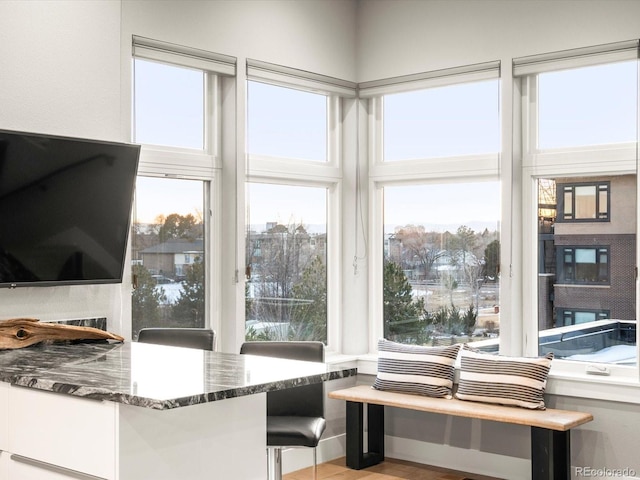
[517, 381]
[416, 369]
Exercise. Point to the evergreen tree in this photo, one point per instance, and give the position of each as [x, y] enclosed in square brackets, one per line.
[180, 226]
[492, 258]
[146, 300]
[188, 311]
[309, 318]
[403, 316]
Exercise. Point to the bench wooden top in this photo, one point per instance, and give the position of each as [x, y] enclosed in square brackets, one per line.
[550, 418]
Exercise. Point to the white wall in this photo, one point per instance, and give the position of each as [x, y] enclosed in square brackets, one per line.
[317, 36]
[400, 37]
[60, 74]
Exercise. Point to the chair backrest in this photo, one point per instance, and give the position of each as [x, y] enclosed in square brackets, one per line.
[303, 401]
[202, 338]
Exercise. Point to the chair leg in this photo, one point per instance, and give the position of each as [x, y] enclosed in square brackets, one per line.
[315, 463]
[274, 463]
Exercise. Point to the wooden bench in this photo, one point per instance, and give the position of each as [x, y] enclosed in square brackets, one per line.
[550, 428]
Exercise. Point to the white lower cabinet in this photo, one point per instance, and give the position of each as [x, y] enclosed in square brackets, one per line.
[53, 436]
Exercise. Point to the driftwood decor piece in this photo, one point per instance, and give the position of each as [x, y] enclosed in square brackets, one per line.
[23, 332]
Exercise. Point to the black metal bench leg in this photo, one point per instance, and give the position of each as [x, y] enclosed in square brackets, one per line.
[550, 454]
[356, 457]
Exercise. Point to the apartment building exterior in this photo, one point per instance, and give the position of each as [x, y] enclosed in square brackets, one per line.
[587, 250]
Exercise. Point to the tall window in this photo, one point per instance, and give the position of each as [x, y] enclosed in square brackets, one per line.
[174, 112]
[435, 170]
[581, 150]
[293, 228]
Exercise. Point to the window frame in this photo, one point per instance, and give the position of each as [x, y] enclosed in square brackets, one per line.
[564, 250]
[572, 314]
[599, 216]
[462, 169]
[193, 164]
[558, 163]
[312, 173]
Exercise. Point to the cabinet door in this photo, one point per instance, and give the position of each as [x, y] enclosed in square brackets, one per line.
[69, 432]
[27, 469]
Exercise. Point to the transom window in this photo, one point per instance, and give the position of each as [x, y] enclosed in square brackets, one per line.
[168, 105]
[286, 123]
[430, 123]
[567, 119]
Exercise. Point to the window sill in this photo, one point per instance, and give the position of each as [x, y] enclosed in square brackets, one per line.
[569, 384]
[583, 385]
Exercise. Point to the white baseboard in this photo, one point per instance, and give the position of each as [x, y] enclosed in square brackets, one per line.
[471, 461]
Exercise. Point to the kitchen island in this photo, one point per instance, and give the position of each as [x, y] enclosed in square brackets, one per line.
[138, 411]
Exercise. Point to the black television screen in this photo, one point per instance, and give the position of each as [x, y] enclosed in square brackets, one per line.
[65, 209]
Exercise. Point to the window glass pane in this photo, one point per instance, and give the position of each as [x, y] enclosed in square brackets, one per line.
[441, 264]
[588, 106]
[584, 317]
[168, 105]
[287, 263]
[440, 122]
[287, 123]
[168, 254]
[586, 294]
[586, 201]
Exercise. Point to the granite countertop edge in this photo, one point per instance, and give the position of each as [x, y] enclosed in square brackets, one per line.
[34, 380]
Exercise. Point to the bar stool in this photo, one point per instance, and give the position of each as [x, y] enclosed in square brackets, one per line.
[295, 416]
[202, 338]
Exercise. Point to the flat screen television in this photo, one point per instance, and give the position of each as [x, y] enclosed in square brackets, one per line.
[65, 209]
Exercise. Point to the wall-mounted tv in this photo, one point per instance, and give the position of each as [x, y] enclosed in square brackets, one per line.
[65, 209]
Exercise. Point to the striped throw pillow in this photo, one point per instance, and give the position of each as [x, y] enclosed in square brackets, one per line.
[516, 381]
[416, 369]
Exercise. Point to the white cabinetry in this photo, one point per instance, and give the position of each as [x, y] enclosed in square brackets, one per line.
[54, 436]
[48, 430]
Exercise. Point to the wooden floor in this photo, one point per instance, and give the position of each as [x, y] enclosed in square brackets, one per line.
[390, 469]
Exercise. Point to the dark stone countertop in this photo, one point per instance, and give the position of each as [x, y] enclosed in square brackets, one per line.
[155, 376]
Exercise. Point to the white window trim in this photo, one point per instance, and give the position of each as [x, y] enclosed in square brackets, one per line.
[194, 164]
[622, 383]
[455, 169]
[287, 171]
